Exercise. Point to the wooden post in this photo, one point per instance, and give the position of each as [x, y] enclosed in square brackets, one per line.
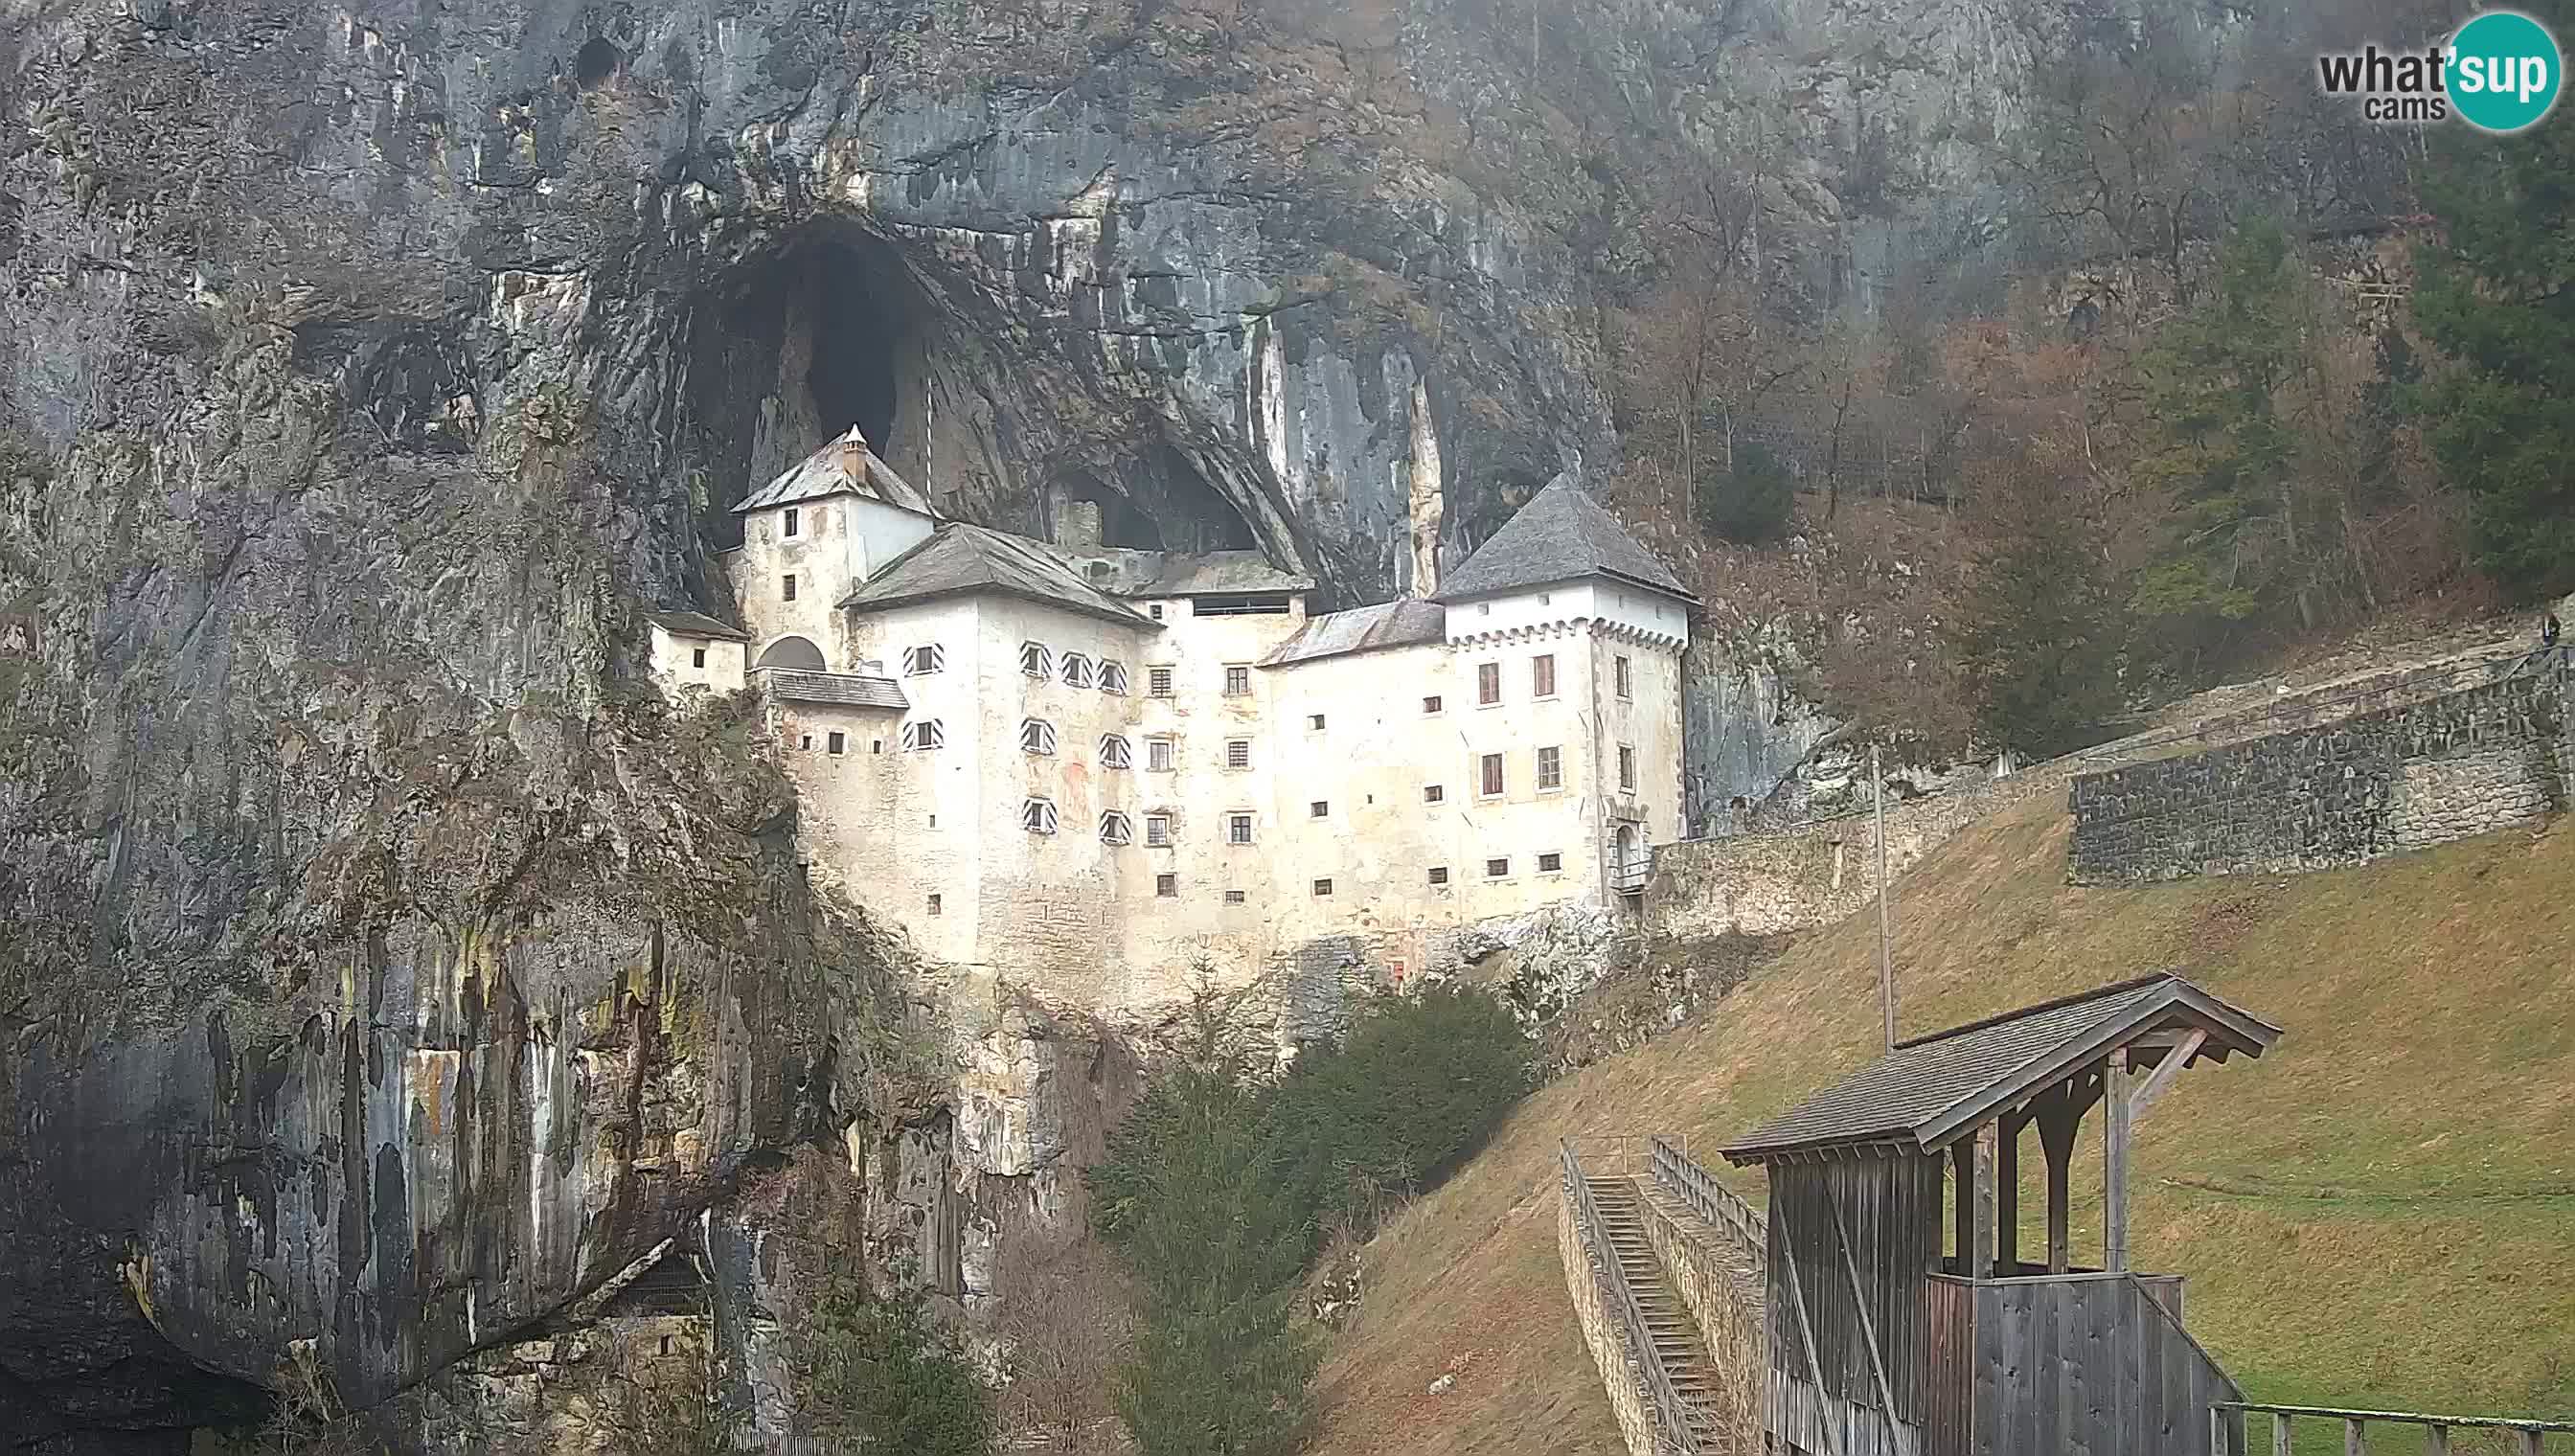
[2008, 1199]
[2058, 1117]
[2355, 1438]
[2279, 1434]
[2216, 1432]
[2114, 1164]
[2437, 1441]
[2529, 1443]
[1963, 1179]
[1885, 928]
[1986, 1139]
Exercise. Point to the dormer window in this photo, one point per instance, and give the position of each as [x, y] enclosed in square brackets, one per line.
[1037, 736]
[923, 661]
[1113, 677]
[1037, 661]
[1077, 671]
[795, 526]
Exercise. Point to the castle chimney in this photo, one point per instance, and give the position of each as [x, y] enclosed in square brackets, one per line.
[853, 454]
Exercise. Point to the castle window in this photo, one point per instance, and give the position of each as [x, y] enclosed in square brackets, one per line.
[1551, 864]
[1037, 736]
[1156, 610]
[1497, 869]
[1168, 887]
[1314, 721]
[805, 741]
[1551, 769]
[1159, 755]
[1238, 682]
[792, 524]
[1318, 809]
[1433, 793]
[1235, 897]
[1238, 753]
[923, 735]
[1542, 676]
[1238, 828]
[923, 661]
[1431, 705]
[840, 743]
[1037, 817]
[1077, 671]
[1620, 670]
[876, 745]
[1158, 682]
[1439, 874]
[933, 905]
[1627, 768]
[1116, 830]
[1158, 830]
[1115, 753]
[1490, 769]
[786, 588]
[1489, 684]
[1113, 677]
[1037, 661]
[697, 657]
[1323, 888]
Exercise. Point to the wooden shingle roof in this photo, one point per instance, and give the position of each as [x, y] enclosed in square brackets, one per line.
[839, 689]
[1933, 1090]
[1562, 534]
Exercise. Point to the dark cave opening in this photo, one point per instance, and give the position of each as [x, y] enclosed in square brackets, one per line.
[597, 60]
[863, 315]
[1083, 512]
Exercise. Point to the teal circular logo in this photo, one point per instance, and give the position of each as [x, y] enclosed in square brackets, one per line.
[2504, 71]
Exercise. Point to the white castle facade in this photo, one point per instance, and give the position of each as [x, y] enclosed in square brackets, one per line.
[1095, 771]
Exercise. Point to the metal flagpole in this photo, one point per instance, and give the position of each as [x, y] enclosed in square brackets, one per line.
[1886, 936]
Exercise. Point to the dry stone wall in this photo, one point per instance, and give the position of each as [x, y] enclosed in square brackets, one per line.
[2488, 758]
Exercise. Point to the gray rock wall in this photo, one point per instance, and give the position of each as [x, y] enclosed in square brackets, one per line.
[2469, 762]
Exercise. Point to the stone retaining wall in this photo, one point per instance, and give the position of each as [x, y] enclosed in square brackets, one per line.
[1601, 1333]
[2492, 757]
[1709, 1279]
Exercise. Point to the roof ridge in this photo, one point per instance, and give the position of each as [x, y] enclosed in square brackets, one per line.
[2060, 1003]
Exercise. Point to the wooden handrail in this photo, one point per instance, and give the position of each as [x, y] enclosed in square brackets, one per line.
[1721, 1206]
[1670, 1412]
[2356, 1423]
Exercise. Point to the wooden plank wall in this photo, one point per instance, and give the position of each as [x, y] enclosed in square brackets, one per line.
[1890, 1210]
[1948, 1372]
[2087, 1366]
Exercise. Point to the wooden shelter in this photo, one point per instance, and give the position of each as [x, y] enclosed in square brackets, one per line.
[1882, 1342]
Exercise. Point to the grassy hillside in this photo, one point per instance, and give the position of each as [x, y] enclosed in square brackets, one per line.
[2380, 1212]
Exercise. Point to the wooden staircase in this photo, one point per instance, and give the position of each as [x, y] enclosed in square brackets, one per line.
[1669, 1324]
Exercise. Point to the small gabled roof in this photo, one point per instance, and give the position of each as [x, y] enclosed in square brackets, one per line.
[1562, 534]
[696, 623]
[957, 558]
[844, 467]
[1362, 630]
[839, 689]
[1932, 1089]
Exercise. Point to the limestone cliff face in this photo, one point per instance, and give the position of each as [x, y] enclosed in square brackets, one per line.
[376, 975]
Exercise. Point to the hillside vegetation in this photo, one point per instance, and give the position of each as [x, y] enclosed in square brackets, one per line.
[2377, 1213]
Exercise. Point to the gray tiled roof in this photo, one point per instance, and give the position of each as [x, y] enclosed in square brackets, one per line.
[957, 558]
[1362, 630]
[844, 690]
[1929, 1087]
[844, 467]
[1562, 534]
[696, 623]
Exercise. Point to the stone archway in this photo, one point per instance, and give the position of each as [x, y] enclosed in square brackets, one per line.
[793, 652]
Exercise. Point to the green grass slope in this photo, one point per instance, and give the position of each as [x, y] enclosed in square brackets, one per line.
[2378, 1214]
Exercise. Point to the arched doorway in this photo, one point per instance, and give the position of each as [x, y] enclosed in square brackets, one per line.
[791, 652]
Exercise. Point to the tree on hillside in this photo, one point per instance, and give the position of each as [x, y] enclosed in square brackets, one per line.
[2497, 291]
[878, 1374]
[2037, 632]
[1196, 1196]
[1750, 501]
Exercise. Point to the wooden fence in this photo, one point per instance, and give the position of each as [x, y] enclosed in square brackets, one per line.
[2356, 1423]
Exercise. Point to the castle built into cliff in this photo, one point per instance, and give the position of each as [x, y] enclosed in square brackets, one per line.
[1093, 770]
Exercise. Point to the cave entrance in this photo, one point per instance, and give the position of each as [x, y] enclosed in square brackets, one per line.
[1087, 512]
[864, 315]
